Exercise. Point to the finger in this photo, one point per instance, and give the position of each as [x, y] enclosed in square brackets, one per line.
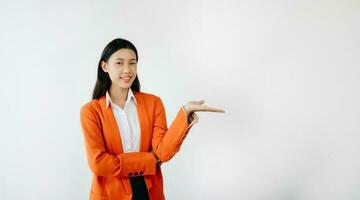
[197, 102]
[208, 109]
[195, 117]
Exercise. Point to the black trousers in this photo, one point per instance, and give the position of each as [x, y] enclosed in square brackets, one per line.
[139, 189]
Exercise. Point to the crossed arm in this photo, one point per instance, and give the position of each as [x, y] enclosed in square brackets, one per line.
[165, 143]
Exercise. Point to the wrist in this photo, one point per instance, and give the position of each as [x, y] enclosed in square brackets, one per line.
[186, 110]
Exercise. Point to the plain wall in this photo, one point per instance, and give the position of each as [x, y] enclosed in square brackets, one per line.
[286, 73]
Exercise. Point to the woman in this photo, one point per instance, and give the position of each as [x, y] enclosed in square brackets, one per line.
[125, 130]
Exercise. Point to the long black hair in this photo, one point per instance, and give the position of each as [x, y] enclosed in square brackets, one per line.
[103, 81]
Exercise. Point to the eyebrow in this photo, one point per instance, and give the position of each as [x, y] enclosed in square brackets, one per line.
[123, 59]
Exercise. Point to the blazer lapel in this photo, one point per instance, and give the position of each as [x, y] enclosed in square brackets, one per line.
[144, 123]
[143, 116]
[115, 138]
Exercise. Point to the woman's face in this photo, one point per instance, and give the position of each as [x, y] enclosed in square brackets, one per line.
[121, 67]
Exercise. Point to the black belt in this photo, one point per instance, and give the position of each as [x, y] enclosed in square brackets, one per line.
[139, 189]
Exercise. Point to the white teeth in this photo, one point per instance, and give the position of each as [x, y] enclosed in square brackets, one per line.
[126, 78]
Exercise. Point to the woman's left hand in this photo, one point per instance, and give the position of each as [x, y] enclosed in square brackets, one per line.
[195, 106]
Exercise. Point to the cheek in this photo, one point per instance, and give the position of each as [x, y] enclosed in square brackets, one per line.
[113, 74]
[134, 70]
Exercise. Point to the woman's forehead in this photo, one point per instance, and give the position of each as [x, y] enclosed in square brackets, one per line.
[123, 54]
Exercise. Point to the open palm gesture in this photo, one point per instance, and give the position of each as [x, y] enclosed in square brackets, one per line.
[194, 106]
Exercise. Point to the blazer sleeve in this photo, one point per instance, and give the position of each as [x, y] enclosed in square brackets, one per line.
[166, 142]
[103, 163]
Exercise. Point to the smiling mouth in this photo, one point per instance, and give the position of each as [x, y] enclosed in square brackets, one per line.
[126, 77]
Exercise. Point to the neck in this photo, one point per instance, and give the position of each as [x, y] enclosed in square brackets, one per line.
[118, 95]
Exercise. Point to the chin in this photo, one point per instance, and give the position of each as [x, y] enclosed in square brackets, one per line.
[125, 86]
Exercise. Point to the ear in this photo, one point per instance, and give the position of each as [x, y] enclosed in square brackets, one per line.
[104, 66]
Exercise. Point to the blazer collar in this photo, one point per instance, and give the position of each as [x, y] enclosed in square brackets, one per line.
[130, 96]
[144, 121]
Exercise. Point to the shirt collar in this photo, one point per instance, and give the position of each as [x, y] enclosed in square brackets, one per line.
[129, 97]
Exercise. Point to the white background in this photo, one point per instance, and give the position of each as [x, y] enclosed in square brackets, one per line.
[286, 73]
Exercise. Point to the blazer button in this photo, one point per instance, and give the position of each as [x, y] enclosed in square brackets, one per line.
[130, 174]
[136, 173]
[141, 172]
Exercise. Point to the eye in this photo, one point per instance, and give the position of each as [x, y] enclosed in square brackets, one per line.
[133, 63]
[120, 63]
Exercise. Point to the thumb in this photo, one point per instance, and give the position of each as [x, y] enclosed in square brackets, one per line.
[197, 102]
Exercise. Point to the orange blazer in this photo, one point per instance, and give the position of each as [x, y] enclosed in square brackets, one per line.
[110, 166]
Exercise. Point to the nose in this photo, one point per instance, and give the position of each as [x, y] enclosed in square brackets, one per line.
[126, 68]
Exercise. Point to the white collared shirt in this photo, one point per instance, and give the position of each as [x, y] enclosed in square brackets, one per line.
[127, 121]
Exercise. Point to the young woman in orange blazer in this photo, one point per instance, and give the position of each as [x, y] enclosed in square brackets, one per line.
[123, 168]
